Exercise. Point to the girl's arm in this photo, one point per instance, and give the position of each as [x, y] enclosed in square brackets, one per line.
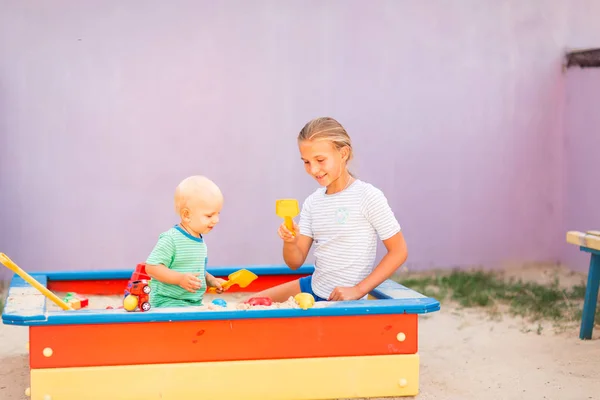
[397, 254]
[376, 209]
[395, 257]
[297, 244]
[294, 253]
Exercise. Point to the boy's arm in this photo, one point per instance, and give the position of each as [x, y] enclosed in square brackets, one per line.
[188, 281]
[157, 266]
[217, 283]
[210, 279]
[163, 274]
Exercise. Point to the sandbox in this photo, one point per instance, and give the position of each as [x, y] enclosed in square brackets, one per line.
[364, 348]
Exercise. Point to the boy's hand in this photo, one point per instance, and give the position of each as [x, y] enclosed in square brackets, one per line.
[216, 283]
[190, 282]
[287, 235]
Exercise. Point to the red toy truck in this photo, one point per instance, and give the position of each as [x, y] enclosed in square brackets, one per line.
[138, 286]
[140, 273]
[141, 290]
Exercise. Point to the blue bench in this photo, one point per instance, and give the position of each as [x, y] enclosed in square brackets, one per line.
[588, 242]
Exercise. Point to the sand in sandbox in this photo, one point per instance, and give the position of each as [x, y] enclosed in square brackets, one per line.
[234, 302]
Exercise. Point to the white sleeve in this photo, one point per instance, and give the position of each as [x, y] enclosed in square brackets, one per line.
[305, 224]
[379, 214]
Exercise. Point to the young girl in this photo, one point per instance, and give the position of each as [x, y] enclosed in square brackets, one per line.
[343, 219]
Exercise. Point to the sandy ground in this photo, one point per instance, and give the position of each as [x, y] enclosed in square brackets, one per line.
[465, 354]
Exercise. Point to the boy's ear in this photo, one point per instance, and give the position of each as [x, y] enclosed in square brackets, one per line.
[185, 213]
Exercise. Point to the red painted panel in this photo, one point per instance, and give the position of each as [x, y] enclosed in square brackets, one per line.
[117, 286]
[99, 287]
[221, 340]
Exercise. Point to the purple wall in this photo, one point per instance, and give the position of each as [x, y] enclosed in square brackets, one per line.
[582, 153]
[456, 112]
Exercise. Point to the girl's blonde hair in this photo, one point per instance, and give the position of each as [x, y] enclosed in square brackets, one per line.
[327, 128]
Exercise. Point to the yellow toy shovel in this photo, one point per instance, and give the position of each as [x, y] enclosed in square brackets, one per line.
[287, 209]
[8, 263]
[243, 278]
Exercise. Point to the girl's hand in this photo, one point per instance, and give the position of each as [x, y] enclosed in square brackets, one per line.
[345, 293]
[190, 282]
[216, 283]
[287, 235]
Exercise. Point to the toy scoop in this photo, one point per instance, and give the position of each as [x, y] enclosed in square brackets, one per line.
[287, 209]
[8, 263]
[243, 278]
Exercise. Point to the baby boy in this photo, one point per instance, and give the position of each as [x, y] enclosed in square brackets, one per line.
[177, 264]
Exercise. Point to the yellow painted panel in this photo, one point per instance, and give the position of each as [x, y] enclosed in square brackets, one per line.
[291, 379]
[589, 239]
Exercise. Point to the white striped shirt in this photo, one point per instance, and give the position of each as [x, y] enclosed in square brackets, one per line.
[344, 227]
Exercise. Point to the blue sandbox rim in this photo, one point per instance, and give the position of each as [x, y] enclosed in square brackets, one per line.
[392, 298]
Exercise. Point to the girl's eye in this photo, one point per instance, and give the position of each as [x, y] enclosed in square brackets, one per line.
[320, 160]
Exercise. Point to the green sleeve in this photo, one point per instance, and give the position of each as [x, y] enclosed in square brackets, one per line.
[163, 252]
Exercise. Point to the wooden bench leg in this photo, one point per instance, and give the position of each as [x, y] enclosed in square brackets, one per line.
[591, 298]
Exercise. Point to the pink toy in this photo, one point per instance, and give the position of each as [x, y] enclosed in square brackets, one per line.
[259, 301]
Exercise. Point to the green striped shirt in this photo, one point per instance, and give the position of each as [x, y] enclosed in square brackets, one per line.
[178, 250]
